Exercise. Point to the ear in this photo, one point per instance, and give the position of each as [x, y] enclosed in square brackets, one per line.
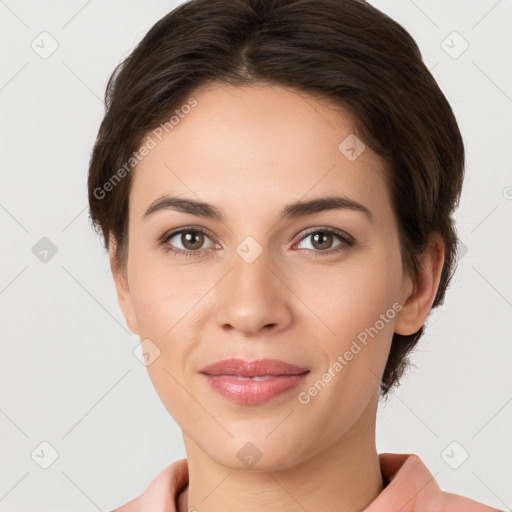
[418, 302]
[123, 291]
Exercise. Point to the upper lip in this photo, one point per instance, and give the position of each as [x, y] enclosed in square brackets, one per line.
[258, 368]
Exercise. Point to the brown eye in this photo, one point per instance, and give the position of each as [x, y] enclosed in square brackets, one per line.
[192, 240]
[187, 242]
[322, 240]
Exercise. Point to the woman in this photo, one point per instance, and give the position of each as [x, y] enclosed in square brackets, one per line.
[274, 182]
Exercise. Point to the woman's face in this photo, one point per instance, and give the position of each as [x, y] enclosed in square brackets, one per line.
[263, 280]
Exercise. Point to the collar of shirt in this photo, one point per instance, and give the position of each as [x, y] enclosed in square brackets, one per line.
[410, 488]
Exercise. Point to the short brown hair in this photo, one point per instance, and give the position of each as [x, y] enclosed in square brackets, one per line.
[344, 50]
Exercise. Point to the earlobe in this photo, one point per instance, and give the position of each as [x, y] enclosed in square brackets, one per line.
[419, 301]
[122, 289]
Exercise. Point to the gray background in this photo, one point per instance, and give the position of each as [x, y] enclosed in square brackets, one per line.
[68, 373]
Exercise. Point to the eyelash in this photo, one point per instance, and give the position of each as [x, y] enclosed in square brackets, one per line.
[346, 241]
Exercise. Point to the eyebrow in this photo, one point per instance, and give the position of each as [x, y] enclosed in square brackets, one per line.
[290, 211]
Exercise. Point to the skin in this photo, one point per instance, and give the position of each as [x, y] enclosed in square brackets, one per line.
[250, 151]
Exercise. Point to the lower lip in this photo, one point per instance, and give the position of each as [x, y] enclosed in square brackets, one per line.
[253, 391]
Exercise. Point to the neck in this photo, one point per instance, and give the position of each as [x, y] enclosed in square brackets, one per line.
[344, 476]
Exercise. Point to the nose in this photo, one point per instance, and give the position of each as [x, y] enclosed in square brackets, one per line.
[253, 298]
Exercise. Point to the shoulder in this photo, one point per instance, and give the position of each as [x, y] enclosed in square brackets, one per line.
[162, 491]
[412, 488]
[456, 503]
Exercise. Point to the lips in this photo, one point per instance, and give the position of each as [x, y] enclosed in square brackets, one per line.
[254, 370]
[253, 382]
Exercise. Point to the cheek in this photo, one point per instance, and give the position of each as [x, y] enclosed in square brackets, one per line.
[358, 307]
[345, 300]
[164, 305]
[166, 298]
[355, 306]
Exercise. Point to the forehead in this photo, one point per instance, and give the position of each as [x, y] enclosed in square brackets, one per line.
[262, 144]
